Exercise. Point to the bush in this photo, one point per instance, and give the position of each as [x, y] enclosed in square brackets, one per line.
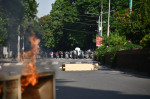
[145, 42]
[114, 39]
[101, 51]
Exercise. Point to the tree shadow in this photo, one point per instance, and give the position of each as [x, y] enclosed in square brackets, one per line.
[124, 72]
[67, 92]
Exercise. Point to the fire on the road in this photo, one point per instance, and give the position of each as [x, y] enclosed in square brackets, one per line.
[30, 75]
[0, 89]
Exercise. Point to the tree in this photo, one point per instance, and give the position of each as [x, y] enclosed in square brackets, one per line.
[136, 23]
[15, 13]
[3, 25]
[3, 31]
[70, 24]
[47, 35]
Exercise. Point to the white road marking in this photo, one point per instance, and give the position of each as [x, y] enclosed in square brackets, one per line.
[19, 63]
[46, 68]
[66, 63]
[43, 63]
[54, 62]
[78, 62]
[6, 64]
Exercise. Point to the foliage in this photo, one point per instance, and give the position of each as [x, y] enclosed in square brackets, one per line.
[114, 39]
[136, 23]
[71, 26]
[29, 14]
[45, 22]
[101, 51]
[3, 25]
[13, 14]
[75, 21]
[3, 31]
[30, 8]
[145, 42]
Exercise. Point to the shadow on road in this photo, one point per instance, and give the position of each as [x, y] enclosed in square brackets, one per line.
[66, 92]
[127, 73]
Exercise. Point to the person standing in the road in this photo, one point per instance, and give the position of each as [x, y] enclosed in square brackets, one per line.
[76, 54]
[73, 54]
[51, 54]
[61, 54]
[56, 55]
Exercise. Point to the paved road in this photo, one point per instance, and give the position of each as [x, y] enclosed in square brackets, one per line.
[104, 83]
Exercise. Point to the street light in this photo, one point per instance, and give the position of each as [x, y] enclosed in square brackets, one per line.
[108, 20]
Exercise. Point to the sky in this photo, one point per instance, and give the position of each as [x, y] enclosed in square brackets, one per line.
[44, 7]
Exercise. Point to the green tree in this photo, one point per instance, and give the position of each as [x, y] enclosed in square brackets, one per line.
[47, 34]
[3, 31]
[136, 23]
[71, 25]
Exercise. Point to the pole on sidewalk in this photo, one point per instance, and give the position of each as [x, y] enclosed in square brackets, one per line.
[130, 6]
[18, 43]
[101, 18]
[108, 20]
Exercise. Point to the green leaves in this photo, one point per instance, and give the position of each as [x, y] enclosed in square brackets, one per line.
[136, 23]
[145, 42]
[3, 31]
[47, 35]
[114, 39]
[30, 7]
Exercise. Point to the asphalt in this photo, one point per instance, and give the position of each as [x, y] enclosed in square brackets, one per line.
[101, 84]
[105, 83]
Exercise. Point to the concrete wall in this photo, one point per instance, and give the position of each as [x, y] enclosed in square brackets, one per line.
[137, 59]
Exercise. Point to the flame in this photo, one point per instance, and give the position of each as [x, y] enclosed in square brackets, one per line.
[29, 63]
[0, 89]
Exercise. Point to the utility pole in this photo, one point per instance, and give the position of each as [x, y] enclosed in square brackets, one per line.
[99, 27]
[101, 18]
[108, 20]
[23, 40]
[23, 43]
[130, 6]
[18, 43]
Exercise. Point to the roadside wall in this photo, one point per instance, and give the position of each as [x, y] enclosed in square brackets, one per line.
[137, 59]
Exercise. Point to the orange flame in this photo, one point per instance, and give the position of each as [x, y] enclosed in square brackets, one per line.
[0, 89]
[29, 63]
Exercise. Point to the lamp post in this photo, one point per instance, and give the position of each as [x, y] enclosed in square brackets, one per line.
[18, 46]
[101, 18]
[108, 20]
[130, 6]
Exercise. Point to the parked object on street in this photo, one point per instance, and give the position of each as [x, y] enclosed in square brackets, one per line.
[80, 67]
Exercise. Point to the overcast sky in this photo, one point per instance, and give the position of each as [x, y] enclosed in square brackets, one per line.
[44, 7]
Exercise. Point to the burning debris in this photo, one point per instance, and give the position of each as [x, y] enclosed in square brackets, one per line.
[0, 89]
[29, 63]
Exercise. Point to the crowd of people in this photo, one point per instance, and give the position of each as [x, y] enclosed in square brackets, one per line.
[71, 54]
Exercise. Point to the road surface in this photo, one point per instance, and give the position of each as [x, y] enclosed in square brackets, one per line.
[105, 83]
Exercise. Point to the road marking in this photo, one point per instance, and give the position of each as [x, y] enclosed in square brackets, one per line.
[11, 73]
[6, 64]
[43, 63]
[46, 68]
[78, 62]
[54, 62]
[66, 63]
[19, 63]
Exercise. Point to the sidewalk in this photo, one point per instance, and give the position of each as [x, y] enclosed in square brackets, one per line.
[8, 60]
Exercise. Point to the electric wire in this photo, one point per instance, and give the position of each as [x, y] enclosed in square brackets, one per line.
[77, 30]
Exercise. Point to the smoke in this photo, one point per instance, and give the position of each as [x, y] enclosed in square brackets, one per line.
[14, 12]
